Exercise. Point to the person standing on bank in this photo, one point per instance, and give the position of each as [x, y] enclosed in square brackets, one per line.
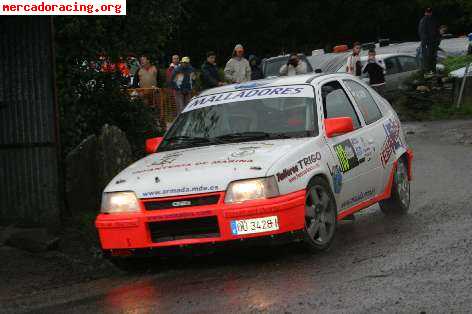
[210, 76]
[428, 31]
[174, 63]
[376, 70]
[237, 69]
[256, 71]
[146, 76]
[183, 81]
[354, 65]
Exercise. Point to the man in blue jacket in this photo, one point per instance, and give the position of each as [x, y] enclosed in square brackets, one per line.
[183, 80]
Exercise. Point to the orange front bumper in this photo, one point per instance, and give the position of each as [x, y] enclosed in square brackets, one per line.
[132, 231]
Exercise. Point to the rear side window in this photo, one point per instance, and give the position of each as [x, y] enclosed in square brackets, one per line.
[392, 66]
[367, 105]
[336, 103]
[408, 63]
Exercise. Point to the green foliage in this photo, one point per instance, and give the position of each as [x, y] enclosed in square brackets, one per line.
[447, 111]
[96, 98]
[85, 106]
[455, 63]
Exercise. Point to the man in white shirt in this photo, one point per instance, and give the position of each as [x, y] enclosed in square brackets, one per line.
[237, 69]
[354, 65]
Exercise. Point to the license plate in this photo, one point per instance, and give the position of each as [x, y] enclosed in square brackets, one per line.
[256, 225]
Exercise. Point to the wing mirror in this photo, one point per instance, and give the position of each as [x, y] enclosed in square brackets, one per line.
[338, 126]
[152, 144]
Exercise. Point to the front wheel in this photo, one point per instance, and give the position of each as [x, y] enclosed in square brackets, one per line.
[320, 215]
[399, 201]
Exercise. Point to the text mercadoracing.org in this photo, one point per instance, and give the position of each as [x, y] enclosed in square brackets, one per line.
[62, 7]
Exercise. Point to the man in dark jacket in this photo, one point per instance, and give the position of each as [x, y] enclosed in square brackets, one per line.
[376, 70]
[210, 76]
[428, 31]
[256, 71]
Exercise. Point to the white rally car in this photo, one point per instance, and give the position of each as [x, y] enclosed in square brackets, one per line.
[289, 156]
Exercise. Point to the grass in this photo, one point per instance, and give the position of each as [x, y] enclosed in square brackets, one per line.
[442, 112]
[455, 63]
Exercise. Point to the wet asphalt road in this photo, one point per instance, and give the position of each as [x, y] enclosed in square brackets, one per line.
[421, 262]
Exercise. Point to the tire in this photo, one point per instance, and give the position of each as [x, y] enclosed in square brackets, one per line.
[320, 215]
[399, 201]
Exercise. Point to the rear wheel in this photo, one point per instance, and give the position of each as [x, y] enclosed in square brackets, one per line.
[320, 215]
[399, 201]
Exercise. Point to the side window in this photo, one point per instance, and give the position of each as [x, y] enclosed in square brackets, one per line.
[367, 105]
[392, 66]
[408, 63]
[336, 103]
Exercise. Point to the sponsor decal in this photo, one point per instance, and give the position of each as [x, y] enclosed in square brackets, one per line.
[300, 168]
[362, 196]
[392, 141]
[195, 164]
[167, 159]
[120, 181]
[195, 189]
[251, 85]
[244, 152]
[337, 176]
[250, 94]
[186, 214]
[181, 203]
[359, 148]
[346, 153]
[353, 152]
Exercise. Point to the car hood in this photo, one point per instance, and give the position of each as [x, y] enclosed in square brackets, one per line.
[202, 169]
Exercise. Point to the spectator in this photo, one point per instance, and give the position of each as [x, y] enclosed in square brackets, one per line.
[175, 62]
[133, 63]
[210, 76]
[354, 65]
[294, 66]
[183, 79]
[256, 71]
[237, 69]
[469, 51]
[123, 67]
[146, 76]
[428, 31]
[376, 70]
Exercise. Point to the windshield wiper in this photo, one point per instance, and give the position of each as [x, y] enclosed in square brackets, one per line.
[187, 139]
[243, 136]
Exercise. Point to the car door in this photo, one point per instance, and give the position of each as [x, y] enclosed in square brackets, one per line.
[350, 164]
[409, 65]
[393, 74]
[374, 135]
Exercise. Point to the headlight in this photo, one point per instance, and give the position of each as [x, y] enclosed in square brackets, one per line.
[119, 202]
[253, 189]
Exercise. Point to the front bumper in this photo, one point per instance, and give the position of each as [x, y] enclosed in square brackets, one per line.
[132, 231]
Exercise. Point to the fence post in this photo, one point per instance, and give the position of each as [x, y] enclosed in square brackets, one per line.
[461, 91]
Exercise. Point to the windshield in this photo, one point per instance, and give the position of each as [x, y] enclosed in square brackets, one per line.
[243, 121]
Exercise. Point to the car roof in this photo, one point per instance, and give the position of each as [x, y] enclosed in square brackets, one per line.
[387, 55]
[332, 62]
[310, 78]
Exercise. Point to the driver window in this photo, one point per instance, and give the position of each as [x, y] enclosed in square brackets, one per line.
[336, 103]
